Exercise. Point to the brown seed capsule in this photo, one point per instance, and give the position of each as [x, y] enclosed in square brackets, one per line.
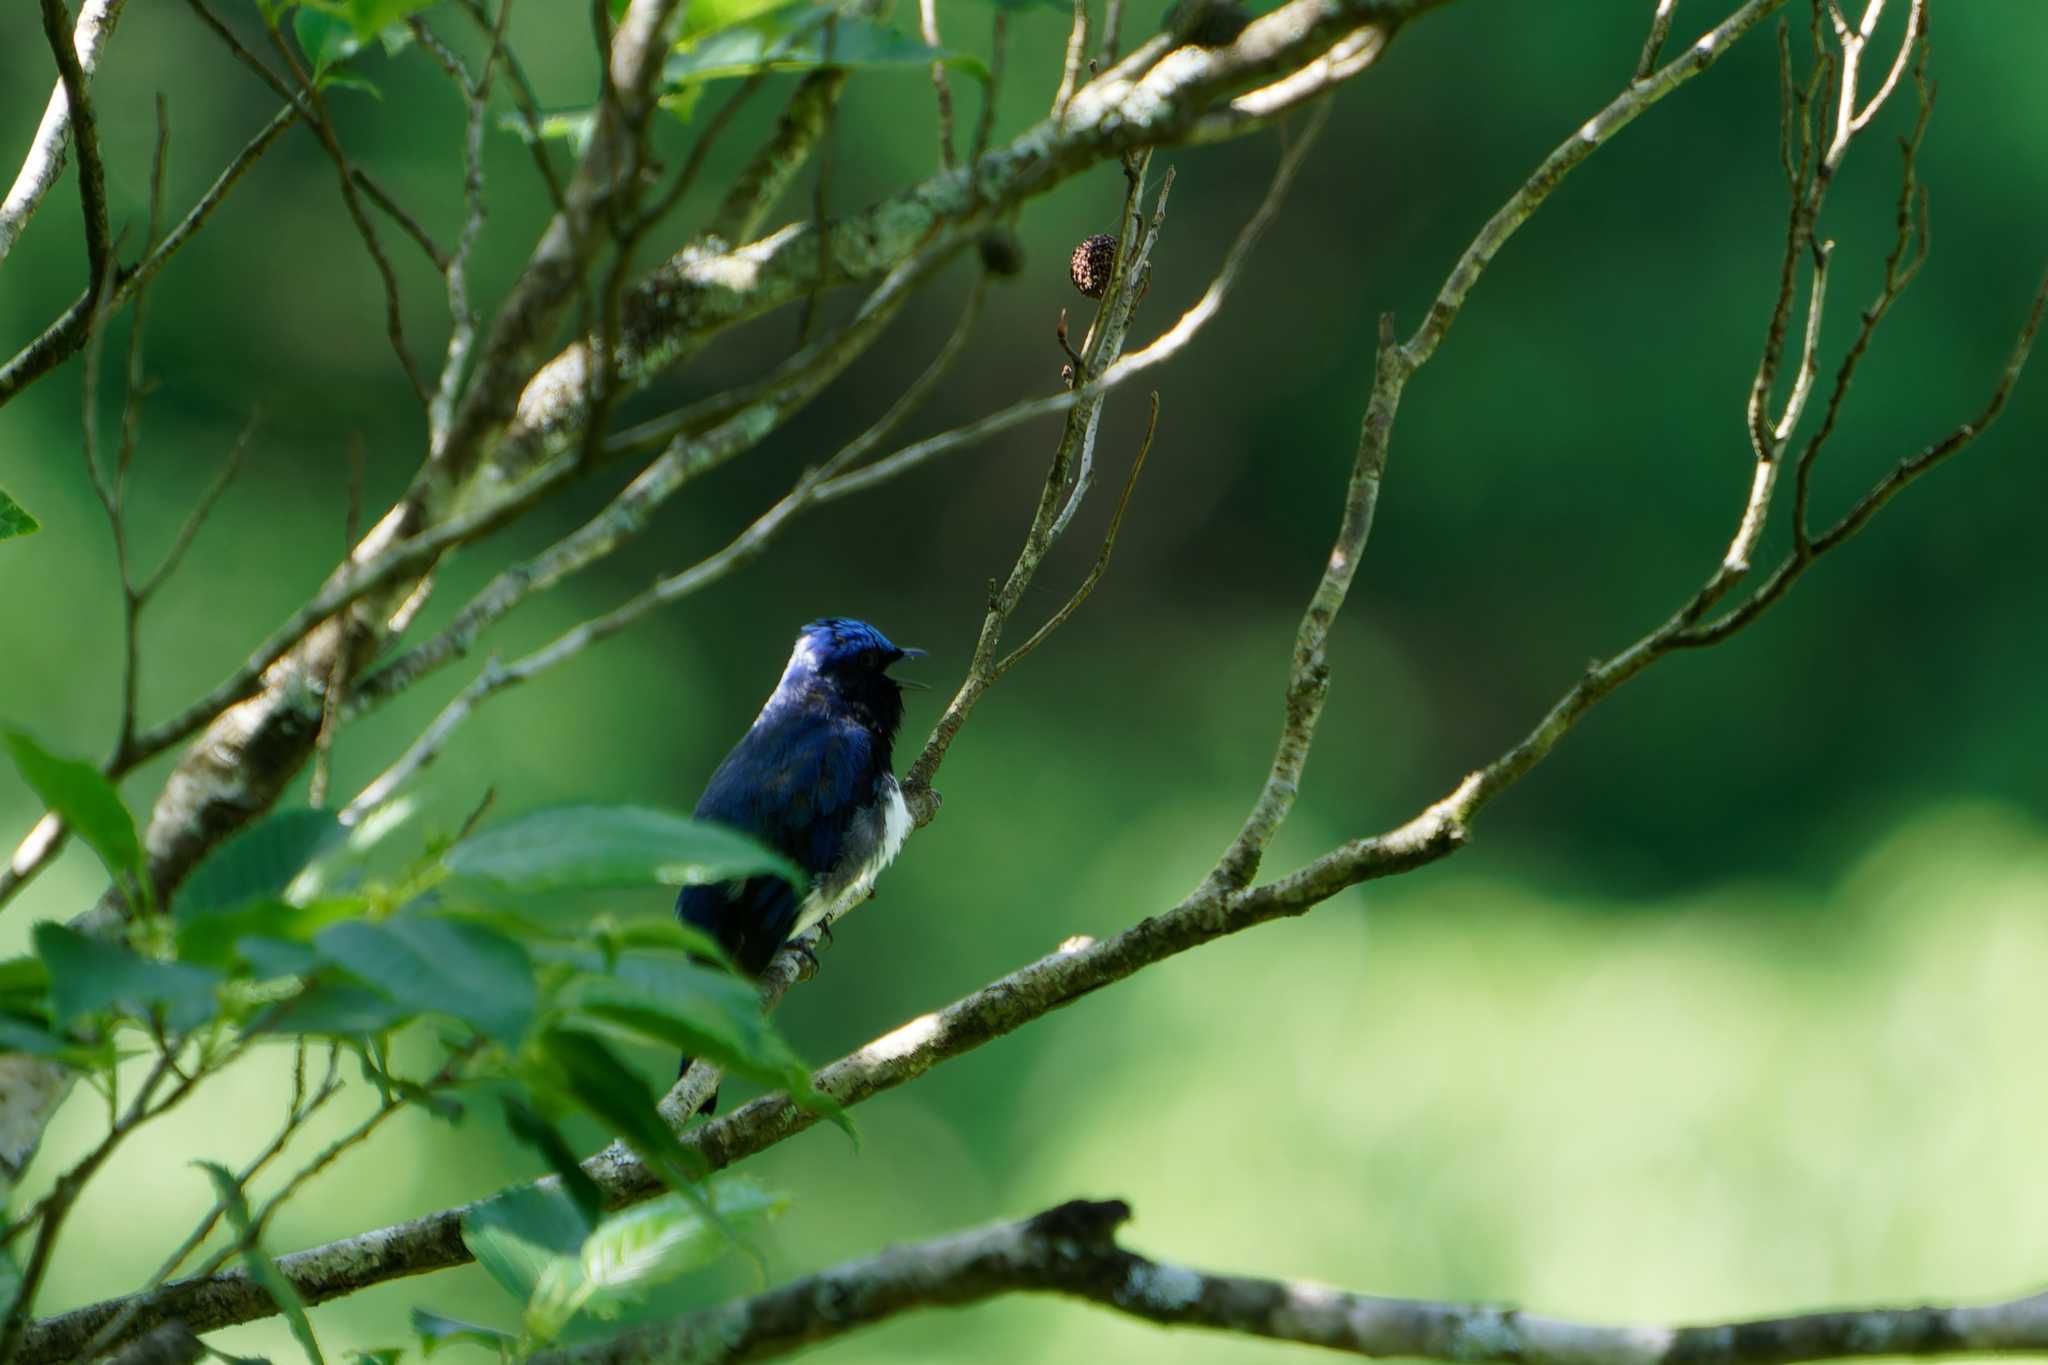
[1001, 252]
[1093, 260]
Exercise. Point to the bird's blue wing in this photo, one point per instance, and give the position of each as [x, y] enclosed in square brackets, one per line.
[795, 782]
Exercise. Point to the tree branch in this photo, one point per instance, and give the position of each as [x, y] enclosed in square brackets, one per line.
[45, 159]
[1072, 1250]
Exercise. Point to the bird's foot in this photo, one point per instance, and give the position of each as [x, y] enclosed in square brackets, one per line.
[807, 960]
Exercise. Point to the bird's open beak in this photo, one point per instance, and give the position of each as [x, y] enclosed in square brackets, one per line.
[911, 683]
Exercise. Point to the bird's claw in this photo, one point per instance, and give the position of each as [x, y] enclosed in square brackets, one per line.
[807, 961]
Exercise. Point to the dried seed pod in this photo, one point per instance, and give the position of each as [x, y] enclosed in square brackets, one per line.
[1001, 252]
[1092, 263]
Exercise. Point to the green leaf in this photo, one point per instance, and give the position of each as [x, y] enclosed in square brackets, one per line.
[379, 1355]
[702, 1011]
[24, 982]
[261, 1267]
[260, 862]
[215, 937]
[340, 1009]
[10, 1280]
[325, 35]
[15, 519]
[436, 1331]
[527, 1124]
[86, 801]
[369, 18]
[441, 966]
[639, 1249]
[593, 847]
[18, 1034]
[574, 126]
[88, 975]
[582, 1067]
[516, 1234]
[794, 38]
[273, 957]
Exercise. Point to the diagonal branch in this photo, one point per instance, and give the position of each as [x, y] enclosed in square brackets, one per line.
[81, 47]
[92, 175]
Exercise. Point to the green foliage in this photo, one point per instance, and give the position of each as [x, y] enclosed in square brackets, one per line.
[261, 1267]
[92, 976]
[436, 1331]
[15, 519]
[581, 1068]
[563, 1265]
[260, 862]
[803, 37]
[87, 802]
[446, 966]
[596, 847]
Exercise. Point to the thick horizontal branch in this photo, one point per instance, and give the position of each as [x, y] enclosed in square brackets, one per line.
[1072, 1250]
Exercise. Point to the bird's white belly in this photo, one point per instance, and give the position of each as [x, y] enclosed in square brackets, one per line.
[839, 890]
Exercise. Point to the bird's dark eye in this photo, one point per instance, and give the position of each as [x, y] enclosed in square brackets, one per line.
[871, 657]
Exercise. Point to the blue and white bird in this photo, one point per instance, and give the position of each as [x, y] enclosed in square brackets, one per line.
[813, 780]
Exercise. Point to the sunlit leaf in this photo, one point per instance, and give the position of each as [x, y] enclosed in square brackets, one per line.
[261, 1267]
[441, 966]
[86, 801]
[639, 1249]
[15, 519]
[794, 38]
[88, 975]
[591, 847]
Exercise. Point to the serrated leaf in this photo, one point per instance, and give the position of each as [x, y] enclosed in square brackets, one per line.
[795, 38]
[260, 862]
[582, 1067]
[516, 1234]
[86, 801]
[596, 847]
[436, 1331]
[441, 966]
[88, 975]
[639, 1249]
[340, 1009]
[15, 519]
[261, 1267]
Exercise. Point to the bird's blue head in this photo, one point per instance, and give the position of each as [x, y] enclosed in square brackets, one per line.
[846, 663]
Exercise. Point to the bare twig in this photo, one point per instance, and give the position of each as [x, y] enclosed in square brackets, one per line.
[1101, 565]
[1660, 29]
[92, 176]
[45, 159]
[1070, 68]
[942, 86]
[62, 338]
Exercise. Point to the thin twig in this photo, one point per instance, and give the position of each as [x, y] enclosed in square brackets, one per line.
[92, 175]
[1101, 565]
[45, 159]
[1660, 29]
[1070, 67]
[942, 85]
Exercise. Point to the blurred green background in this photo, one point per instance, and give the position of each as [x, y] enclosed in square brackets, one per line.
[1732, 1008]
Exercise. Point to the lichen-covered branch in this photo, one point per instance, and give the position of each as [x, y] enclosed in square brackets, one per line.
[1072, 1250]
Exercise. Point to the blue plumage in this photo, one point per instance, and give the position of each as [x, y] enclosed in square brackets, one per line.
[812, 779]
